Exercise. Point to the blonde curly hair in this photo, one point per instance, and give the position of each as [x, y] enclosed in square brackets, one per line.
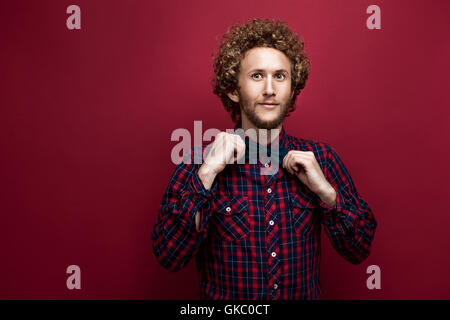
[257, 33]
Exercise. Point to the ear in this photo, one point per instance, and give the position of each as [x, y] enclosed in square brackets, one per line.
[233, 96]
[292, 94]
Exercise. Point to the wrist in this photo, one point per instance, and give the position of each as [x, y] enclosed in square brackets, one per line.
[328, 195]
[206, 175]
[206, 170]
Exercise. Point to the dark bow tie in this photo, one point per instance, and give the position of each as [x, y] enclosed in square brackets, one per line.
[252, 152]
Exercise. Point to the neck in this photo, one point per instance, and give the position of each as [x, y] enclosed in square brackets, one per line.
[265, 136]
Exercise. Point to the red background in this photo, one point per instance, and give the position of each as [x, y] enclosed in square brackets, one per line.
[86, 118]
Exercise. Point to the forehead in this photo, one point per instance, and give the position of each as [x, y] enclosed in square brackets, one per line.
[269, 59]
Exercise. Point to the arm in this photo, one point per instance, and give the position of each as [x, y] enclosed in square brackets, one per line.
[349, 223]
[186, 207]
[183, 217]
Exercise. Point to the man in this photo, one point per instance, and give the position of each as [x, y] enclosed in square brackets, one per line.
[256, 235]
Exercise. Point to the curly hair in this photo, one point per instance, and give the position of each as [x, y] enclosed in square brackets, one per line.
[257, 33]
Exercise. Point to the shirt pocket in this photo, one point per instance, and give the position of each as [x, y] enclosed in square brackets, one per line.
[230, 217]
[302, 213]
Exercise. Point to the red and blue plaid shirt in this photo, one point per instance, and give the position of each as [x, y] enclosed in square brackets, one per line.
[259, 235]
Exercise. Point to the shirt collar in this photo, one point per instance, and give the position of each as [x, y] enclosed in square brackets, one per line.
[281, 141]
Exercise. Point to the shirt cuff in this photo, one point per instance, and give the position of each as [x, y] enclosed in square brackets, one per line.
[201, 196]
[199, 188]
[336, 218]
[340, 200]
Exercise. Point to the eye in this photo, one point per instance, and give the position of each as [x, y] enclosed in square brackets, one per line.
[255, 74]
[282, 76]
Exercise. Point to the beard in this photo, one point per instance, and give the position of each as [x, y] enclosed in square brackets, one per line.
[249, 109]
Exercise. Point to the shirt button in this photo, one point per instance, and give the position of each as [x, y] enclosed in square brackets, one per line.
[269, 190]
[271, 222]
[228, 209]
[275, 286]
[274, 254]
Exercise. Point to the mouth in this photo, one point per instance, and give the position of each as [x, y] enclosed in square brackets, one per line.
[269, 105]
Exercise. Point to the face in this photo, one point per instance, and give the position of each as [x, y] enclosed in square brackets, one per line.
[264, 88]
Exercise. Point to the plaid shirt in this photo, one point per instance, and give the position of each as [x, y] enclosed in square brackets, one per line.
[259, 235]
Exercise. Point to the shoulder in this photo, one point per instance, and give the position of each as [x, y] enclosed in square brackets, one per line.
[320, 148]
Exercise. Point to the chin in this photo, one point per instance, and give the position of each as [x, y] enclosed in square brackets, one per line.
[265, 119]
[269, 119]
[268, 124]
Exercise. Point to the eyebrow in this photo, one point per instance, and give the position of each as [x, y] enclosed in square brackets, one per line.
[262, 70]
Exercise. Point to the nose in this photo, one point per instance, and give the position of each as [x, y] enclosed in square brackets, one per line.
[268, 87]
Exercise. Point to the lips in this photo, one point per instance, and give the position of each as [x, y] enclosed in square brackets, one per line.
[269, 105]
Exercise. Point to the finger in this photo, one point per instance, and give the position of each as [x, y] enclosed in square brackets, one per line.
[298, 162]
[240, 153]
[240, 146]
[307, 157]
[287, 160]
[228, 151]
[238, 149]
[303, 153]
[288, 164]
[291, 163]
[234, 151]
[283, 163]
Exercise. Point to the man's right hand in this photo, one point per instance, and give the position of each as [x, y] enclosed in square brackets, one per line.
[223, 151]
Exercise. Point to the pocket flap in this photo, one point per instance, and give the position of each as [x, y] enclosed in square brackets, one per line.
[302, 212]
[229, 205]
[302, 201]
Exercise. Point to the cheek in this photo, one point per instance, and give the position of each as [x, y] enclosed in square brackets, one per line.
[250, 92]
[286, 90]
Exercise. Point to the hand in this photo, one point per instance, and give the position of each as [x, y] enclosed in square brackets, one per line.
[304, 165]
[222, 152]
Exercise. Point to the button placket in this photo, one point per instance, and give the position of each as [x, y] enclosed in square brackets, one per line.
[271, 212]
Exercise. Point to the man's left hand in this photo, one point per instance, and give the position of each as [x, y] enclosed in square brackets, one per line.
[304, 165]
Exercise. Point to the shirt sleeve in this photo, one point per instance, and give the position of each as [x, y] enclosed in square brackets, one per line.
[175, 236]
[349, 224]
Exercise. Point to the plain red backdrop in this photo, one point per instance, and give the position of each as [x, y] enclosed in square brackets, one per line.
[86, 118]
